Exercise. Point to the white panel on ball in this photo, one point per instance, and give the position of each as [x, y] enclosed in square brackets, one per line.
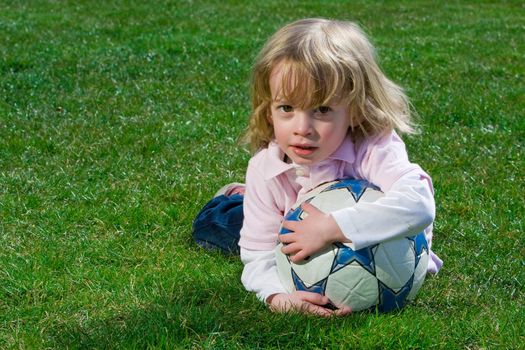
[333, 200]
[395, 262]
[419, 275]
[353, 286]
[370, 196]
[316, 268]
[285, 275]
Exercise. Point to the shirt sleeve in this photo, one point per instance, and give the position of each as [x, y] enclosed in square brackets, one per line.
[260, 273]
[262, 215]
[406, 209]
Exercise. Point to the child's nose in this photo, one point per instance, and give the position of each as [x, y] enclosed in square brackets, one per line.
[303, 125]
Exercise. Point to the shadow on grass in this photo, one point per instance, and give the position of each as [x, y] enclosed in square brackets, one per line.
[196, 315]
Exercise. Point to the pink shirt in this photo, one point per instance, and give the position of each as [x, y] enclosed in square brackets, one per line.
[272, 187]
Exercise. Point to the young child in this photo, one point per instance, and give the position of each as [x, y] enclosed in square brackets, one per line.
[322, 110]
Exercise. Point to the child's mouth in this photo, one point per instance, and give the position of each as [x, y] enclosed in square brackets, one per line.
[303, 150]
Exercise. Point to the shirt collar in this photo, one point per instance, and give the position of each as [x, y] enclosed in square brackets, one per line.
[275, 165]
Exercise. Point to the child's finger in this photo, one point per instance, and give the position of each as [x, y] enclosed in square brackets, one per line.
[290, 225]
[310, 208]
[343, 311]
[298, 256]
[294, 252]
[316, 310]
[314, 298]
[290, 249]
[287, 238]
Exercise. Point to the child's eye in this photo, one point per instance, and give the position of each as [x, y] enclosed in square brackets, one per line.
[285, 108]
[323, 109]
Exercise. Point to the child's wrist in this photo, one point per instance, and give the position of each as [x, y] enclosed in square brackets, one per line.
[337, 233]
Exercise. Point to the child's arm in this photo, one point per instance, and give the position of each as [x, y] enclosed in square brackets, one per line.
[260, 273]
[262, 219]
[406, 209]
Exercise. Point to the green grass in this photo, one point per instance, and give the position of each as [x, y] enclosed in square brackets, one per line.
[119, 120]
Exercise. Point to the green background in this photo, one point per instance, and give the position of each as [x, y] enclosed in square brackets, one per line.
[120, 119]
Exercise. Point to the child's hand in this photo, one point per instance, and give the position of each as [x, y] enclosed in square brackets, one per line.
[310, 235]
[305, 302]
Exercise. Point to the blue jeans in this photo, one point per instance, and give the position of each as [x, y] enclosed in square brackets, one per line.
[218, 225]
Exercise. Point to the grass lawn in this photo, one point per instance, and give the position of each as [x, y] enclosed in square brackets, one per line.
[120, 119]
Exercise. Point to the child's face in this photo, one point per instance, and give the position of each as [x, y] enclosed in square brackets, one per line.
[306, 136]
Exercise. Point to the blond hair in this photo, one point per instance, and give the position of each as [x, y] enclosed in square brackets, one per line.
[322, 61]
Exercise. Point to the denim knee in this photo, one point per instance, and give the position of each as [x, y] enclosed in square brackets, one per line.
[218, 224]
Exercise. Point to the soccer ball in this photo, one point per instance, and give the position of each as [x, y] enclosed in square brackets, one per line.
[383, 276]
